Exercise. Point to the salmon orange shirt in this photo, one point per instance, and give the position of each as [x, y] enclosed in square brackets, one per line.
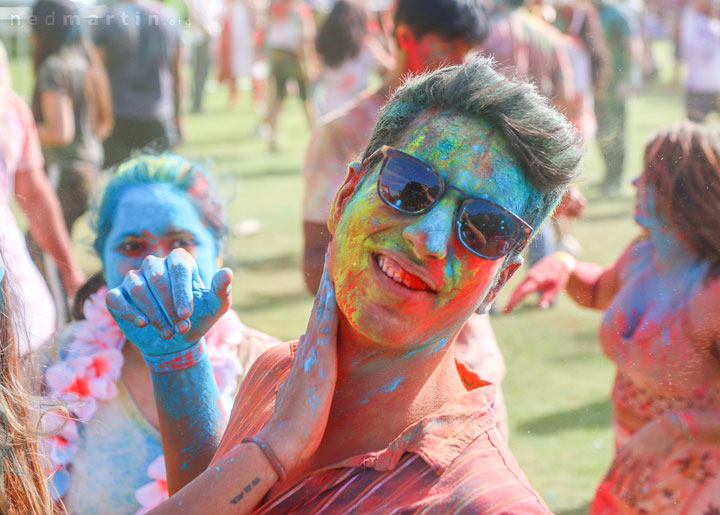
[452, 461]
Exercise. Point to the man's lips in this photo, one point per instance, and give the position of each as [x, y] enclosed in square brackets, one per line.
[401, 275]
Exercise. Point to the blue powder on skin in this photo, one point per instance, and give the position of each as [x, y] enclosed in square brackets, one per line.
[310, 361]
[393, 384]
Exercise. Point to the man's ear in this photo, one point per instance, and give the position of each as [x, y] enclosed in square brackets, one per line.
[405, 37]
[343, 195]
[508, 271]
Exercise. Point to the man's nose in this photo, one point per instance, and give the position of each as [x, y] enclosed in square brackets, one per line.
[430, 233]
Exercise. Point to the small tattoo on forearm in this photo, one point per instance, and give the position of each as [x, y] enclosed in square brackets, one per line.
[248, 488]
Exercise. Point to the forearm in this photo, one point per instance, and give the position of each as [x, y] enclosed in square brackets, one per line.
[235, 484]
[584, 283]
[45, 218]
[191, 418]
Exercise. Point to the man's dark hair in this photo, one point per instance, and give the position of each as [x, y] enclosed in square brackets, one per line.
[451, 19]
[541, 139]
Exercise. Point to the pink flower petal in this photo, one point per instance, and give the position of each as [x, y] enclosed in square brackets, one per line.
[83, 408]
[103, 389]
[150, 495]
[227, 331]
[60, 451]
[226, 369]
[61, 376]
[156, 470]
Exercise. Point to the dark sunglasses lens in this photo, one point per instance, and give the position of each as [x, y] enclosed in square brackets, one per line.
[408, 185]
[487, 230]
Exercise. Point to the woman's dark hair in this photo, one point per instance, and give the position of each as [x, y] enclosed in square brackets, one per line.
[341, 36]
[682, 163]
[57, 24]
[467, 20]
[92, 285]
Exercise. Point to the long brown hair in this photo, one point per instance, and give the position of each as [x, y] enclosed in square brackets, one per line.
[682, 163]
[58, 26]
[23, 477]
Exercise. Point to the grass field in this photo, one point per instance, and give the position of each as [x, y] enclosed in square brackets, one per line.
[557, 382]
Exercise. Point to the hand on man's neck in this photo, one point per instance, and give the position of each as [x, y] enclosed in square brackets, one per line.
[380, 391]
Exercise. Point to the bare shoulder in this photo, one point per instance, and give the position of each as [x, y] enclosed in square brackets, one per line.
[275, 358]
[259, 339]
[254, 343]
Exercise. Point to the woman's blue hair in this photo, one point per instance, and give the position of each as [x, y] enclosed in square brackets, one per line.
[165, 168]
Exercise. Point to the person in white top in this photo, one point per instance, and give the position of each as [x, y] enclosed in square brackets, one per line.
[288, 38]
[700, 44]
[22, 177]
[237, 41]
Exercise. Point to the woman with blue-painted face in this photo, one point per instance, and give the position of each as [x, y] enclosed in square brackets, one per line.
[110, 459]
[370, 412]
[661, 329]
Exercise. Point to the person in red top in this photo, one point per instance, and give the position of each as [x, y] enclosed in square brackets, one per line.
[370, 411]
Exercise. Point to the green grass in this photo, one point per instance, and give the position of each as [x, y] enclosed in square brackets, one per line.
[557, 382]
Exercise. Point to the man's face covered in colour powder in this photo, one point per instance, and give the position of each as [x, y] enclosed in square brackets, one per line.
[152, 220]
[470, 156]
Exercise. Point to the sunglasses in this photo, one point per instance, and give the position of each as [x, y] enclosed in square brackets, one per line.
[413, 187]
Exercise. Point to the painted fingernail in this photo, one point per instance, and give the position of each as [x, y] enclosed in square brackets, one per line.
[167, 334]
[183, 310]
[140, 322]
[182, 326]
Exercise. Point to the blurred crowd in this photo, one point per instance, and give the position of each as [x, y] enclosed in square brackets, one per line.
[108, 90]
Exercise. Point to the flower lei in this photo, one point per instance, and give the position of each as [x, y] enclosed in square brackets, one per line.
[88, 372]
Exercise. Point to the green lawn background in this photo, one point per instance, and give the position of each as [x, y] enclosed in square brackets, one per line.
[557, 380]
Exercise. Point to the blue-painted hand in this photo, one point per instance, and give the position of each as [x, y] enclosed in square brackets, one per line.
[165, 307]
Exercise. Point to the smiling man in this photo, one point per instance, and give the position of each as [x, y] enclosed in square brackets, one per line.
[370, 412]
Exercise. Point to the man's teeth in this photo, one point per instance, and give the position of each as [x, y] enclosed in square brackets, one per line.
[395, 272]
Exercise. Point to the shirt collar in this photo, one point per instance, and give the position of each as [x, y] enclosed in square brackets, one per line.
[441, 436]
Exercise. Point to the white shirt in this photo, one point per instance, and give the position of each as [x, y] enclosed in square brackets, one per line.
[700, 40]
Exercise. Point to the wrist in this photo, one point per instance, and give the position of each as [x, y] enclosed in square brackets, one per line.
[269, 454]
[568, 259]
[179, 360]
[282, 446]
